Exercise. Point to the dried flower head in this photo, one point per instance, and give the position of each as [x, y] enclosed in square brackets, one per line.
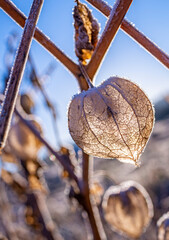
[128, 208]
[114, 120]
[86, 32]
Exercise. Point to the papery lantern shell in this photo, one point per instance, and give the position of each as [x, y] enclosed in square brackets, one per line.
[163, 227]
[113, 120]
[128, 208]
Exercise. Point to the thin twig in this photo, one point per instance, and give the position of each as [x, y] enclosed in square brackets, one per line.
[138, 36]
[117, 14]
[17, 71]
[62, 159]
[20, 18]
[50, 106]
[83, 71]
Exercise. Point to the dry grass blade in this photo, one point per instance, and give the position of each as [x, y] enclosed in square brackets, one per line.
[134, 33]
[117, 14]
[17, 71]
[114, 120]
[20, 18]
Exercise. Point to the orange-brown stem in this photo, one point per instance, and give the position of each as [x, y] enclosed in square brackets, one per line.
[117, 14]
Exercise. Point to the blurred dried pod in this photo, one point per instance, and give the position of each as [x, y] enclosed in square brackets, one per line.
[100, 182]
[113, 120]
[26, 103]
[22, 141]
[128, 208]
[163, 227]
[7, 155]
[86, 32]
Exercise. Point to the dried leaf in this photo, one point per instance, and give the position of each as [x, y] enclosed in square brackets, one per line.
[86, 32]
[163, 227]
[128, 208]
[114, 120]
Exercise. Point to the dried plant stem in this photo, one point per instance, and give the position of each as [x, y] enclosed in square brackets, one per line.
[62, 159]
[89, 203]
[134, 33]
[17, 71]
[20, 18]
[117, 14]
[146, 43]
[85, 75]
[46, 98]
[85, 198]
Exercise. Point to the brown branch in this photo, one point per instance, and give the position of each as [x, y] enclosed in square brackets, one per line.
[117, 14]
[20, 18]
[17, 71]
[134, 33]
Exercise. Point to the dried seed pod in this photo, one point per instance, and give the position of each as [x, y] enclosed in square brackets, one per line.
[163, 227]
[86, 32]
[128, 208]
[22, 141]
[113, 120]
[26, 103]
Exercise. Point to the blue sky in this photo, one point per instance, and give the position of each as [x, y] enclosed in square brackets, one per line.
[125, 57]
